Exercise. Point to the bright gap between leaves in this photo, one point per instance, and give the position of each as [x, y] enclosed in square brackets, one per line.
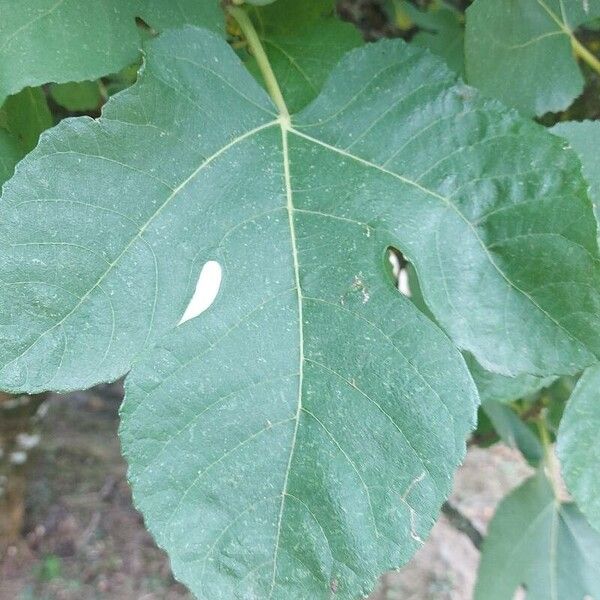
[207, 288]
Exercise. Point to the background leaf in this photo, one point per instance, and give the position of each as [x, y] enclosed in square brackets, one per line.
[70, 40]
[10, 154]
[540, 543]
[26, 115]
[77, 96]
[441, 31]
[163, 15]
[520, 51]
[578, 447]
[304, 41]
[513, 431]
[584, 138]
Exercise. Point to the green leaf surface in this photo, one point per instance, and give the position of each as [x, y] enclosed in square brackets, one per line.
[303, 41]
[513, 431]
[539, 543]
[26, 115]
[79, 96]
[10, 154]
[161, 14]
[493, 387]
[442, 32]
[63, 40]
[578, 447]
[520, 51]
[373, 138]
[584, 138]
[301, 434]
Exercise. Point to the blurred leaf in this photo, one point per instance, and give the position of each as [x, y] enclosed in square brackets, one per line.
[540, 543]
[50, 568]
[513, 431]
[520, 51]
[70, 40]
[442, 31]
[26, 115]
[578, 447]
[80, 96]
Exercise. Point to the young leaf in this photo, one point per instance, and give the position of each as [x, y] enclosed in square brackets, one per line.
[46, 40]
[522, 51]
[584, 138]
[540, 543]
[578, 447]
[493, 220]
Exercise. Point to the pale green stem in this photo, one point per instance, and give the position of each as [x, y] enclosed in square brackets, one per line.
[550, 459]
[255, 45]
[584, 54]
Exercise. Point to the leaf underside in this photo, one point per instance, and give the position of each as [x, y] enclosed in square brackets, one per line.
[539, 543]
[301, 434]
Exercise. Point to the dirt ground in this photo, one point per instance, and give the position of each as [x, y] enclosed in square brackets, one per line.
[83, 540]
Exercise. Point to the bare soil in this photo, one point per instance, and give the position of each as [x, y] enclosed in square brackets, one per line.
[83, 540]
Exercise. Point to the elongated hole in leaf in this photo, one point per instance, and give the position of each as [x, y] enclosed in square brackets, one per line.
[206, 291]
[399, 270]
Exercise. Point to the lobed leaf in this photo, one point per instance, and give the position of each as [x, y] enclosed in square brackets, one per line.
[300, 435]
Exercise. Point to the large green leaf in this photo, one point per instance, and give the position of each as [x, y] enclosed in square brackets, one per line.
[578, 446]
[520, 51]
[584, 138]
[483, 240]
[300, 435]
[542, 544]
[63, 40]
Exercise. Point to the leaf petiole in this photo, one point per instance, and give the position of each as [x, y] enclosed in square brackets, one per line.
[255, 45]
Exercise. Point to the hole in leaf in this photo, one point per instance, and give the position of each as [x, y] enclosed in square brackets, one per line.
[206, 291]
[399, 271]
